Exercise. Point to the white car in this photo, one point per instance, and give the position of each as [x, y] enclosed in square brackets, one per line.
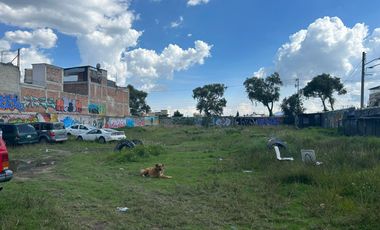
[102, 135]
[78, 129]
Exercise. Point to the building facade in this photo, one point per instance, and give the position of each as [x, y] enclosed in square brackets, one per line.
[51, 89]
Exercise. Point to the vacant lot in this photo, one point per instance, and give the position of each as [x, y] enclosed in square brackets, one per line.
[223, 178]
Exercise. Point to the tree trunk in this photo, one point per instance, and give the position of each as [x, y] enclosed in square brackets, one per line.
[324, 104]
[270, 110]
[331, 101]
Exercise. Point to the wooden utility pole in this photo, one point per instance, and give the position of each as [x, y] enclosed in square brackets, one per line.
[362, 85]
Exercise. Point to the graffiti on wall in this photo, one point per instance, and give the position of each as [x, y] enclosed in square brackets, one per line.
[250, 121]
[35, 102]
[47, 117]
[69, 120]
[115, 123]
[61, 104]
[223, 121]
[18, 118]
[68, 105]
[97, 109]
[10, 102]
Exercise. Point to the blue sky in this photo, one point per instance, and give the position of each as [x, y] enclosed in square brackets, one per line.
[168, 47]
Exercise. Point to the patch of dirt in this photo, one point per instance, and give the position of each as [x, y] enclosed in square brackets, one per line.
[24, 170]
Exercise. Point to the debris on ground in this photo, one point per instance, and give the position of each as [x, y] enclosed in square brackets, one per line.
[122, 209]
[277, 144]
[308, 157]
[127, 144]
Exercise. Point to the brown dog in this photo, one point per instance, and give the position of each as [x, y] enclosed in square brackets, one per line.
[156, 171]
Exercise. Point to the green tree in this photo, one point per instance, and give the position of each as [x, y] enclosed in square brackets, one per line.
[137, 102]
[210, 99]
[323, 86]
[292, 106]
[265, 91]
[177, 114]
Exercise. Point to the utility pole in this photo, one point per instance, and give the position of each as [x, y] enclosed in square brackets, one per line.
[297, 85]
[362, 85]
[18, 58]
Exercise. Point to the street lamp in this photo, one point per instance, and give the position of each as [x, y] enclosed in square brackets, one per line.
[363, 74]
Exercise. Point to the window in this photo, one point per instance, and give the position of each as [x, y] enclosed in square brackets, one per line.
[24, 128]
[58, 126]
[83, 127]
[93, 131]
[74, 127]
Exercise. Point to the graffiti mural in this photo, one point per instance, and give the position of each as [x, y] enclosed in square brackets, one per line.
[34, 102]
[115, 123]
[250, 121]
[61, 104]
[10, 102]
[18, 118]
[68, 105]
[97, 109]
[47, 117]
[222, 121]
[139, 121]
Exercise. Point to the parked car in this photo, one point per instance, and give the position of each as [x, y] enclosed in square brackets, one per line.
[14, 134]
[5, 173]
[102, 135]
[49, 132]
[77, 129]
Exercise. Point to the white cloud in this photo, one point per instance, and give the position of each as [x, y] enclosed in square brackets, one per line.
[147, 65]
[196, 2]
[104, 33]
[177, 23]
[4, 45]
[325, 46]
[41, 38]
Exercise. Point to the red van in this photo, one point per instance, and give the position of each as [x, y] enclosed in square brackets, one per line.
[5, 173]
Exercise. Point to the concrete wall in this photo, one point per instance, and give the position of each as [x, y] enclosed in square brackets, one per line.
[9, 79]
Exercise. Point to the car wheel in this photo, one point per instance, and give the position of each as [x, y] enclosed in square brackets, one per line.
[43, 140]
[102, 140]
[79, 138]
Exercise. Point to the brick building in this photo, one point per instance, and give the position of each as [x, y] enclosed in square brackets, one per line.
[81, 90]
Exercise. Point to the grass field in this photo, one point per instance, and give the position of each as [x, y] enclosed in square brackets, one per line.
[223, 178]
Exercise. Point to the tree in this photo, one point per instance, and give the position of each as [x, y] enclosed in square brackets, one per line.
[210, 99]
[292, 106]
[266, 91]
[137, 102]
[323, 86]
[177, 114]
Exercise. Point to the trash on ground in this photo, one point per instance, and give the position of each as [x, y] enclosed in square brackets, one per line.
[122, 209]
[308, 157]
[276, 144]
[247, 171]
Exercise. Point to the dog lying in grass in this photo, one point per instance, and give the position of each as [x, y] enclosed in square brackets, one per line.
[156, 171]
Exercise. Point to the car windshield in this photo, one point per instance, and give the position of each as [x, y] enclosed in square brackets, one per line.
[24, 128]
[58, 126]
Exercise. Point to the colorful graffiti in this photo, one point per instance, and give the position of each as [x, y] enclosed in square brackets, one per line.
[97, 109]
[18, 118]
[10, 102]
[250, 121]
[115, 123]
[68, 105]
[61, 104]
[34, 102]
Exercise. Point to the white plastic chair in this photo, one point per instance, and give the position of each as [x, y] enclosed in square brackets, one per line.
[278, 155]
[308, 157]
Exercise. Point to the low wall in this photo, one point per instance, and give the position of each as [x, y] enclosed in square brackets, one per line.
[69, 119]
[222, 121]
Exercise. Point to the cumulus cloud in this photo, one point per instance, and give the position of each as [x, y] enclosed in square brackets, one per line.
[196, 2]
[325, 46]
[148, 65]
[104, 33]
[40, 38]
[177, 23]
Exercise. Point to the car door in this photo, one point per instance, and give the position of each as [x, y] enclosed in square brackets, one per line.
[91, 135]
[73, 130]
[82, 129]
